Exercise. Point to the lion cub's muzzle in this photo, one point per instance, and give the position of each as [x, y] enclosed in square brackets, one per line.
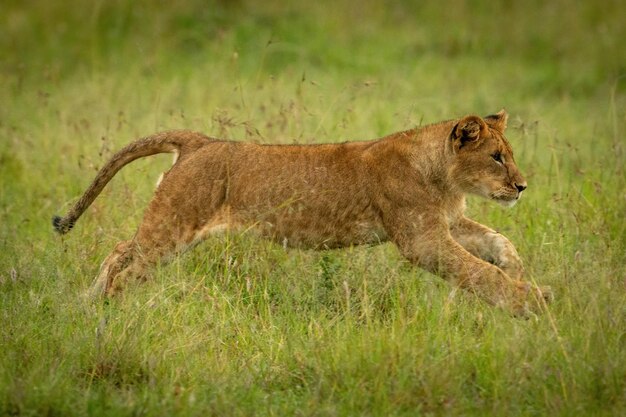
[508, 196]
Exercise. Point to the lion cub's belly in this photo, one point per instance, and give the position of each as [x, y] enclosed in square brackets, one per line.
[305, 228]
[327, 236]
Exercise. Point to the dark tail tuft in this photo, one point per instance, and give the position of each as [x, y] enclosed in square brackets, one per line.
[62, 225]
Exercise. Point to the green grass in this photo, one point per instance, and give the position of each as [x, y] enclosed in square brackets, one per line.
[239, 326]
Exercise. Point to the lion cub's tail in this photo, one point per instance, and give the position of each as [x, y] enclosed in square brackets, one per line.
[181, 142]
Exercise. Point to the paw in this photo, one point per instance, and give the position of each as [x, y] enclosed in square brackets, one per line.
[514, 270]
[529, 300]
[511, 264]
[545, 292]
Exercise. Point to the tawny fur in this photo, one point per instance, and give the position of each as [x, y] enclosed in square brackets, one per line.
[408, 188]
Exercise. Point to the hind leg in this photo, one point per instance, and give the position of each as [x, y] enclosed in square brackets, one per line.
[154, 243]
[125, 263]
[114, 262]
[129, 261]
[131, 266]
[133, 261]
[157, 239]
[184, 210]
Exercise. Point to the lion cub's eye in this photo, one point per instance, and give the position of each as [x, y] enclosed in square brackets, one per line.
[497, 157]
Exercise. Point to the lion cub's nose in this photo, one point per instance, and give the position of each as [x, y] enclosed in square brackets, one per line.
[520, 187]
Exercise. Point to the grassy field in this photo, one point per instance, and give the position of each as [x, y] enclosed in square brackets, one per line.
[242, 327]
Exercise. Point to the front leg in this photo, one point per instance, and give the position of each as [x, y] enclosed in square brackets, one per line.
[488, 245]
[426, 241]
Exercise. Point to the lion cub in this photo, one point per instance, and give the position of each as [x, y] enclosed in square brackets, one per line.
[408, 188]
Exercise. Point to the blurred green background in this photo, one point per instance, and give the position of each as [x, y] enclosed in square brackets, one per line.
[238, 326]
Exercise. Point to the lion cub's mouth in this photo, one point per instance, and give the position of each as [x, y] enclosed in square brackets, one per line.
[506, 199]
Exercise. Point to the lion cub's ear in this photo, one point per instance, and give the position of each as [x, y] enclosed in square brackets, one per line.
[468, 131]
[498, 120]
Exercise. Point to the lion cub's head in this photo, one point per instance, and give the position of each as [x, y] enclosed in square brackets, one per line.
[482, 161]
